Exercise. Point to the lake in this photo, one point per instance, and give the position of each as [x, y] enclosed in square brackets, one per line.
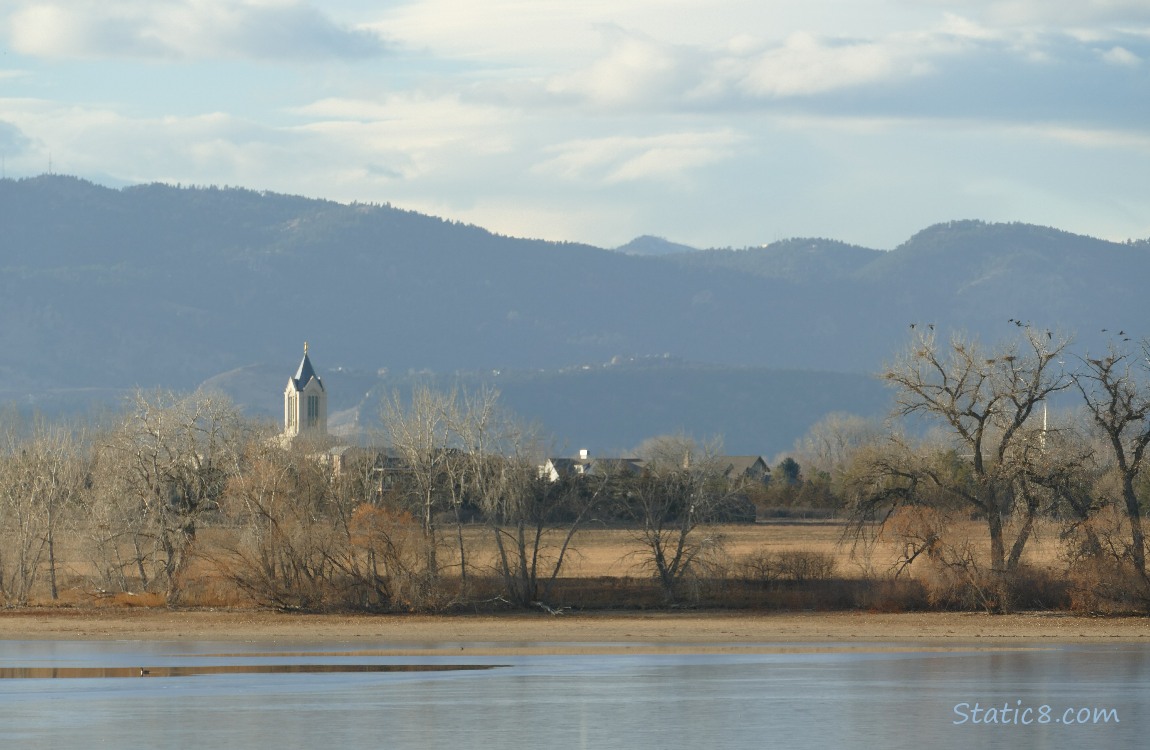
[329, 695]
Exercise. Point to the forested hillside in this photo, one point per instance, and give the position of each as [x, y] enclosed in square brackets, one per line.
[155, 285]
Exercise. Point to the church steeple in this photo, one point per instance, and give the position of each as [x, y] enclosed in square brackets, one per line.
[305, 401]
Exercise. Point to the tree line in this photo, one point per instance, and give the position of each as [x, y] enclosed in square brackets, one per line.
[996, 456]
[180, 488]
[973, 466]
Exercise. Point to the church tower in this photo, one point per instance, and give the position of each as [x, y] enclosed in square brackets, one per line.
[305, 402]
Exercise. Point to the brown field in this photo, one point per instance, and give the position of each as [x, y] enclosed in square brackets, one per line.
[617, 552]
[599, 558]
[605, 568]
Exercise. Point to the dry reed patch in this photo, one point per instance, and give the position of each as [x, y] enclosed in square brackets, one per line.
[616, 552]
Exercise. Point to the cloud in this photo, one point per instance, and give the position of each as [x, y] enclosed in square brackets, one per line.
[634, 70]
[807, 65]
[12, 140]
[185, 29]
[1050, 13]
[618, 159]
[1122, 57]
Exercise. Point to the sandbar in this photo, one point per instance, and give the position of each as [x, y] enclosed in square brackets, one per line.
[577, 632]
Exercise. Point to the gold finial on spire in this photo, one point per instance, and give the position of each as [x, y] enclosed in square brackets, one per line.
[305, 348]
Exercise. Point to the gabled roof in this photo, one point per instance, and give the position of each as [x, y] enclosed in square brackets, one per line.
[305, 373]
[741, 466]
[604, 466]
[597, 466]
[569, 465]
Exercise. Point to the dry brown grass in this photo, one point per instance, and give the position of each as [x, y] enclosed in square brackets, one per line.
[615, 552]
[606, 559]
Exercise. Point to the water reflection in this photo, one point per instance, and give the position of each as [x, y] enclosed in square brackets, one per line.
[192, 671]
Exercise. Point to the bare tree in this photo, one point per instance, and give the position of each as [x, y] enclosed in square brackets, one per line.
[985, 401]
[169, 459]
[680, 488]
[533, 519]
[1116, 391]
[41, 478]
[423, 435]
[289, 547]
[830, 444]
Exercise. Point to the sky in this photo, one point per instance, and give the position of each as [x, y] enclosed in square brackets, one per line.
[725, 123]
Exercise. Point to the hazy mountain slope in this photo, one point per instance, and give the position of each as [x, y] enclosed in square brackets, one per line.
[796, 260]
[608, 408]
[163, 285]
[984, 274]
[649, 245]
[159, 284]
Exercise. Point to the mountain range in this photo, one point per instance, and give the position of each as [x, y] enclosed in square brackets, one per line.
[102, 290]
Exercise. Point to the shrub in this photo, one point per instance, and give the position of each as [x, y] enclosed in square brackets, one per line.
[1101, 584]
[805, 565]
[787, 565]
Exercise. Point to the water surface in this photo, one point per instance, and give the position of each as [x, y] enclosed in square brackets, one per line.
[327, 695]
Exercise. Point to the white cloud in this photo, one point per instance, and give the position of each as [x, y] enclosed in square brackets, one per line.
[733, 122]
[410, 136]
[12, 140]
[805, 65]
[1049, 13]
[184, 29]
[635, 70]
[1091, 138]
[617, 159]
[1122, 57]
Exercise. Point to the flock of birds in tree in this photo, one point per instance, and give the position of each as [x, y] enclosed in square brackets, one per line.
[1021, 324]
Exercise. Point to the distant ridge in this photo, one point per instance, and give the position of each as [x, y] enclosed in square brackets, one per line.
[653, 246]
[104, 289]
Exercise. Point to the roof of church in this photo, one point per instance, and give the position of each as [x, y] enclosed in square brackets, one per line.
[305, 373]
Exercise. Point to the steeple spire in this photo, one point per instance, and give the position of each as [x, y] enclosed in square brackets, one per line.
[305, 401]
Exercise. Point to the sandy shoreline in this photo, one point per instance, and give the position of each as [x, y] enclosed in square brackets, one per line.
[579, 632]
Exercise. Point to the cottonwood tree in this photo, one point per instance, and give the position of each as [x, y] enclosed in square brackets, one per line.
[533, 520]
[985, 401]
[423, 434]
[680, 488]
[1116, 391]
[831, 443]
[288, 547]
[167, 461]
[41, 478]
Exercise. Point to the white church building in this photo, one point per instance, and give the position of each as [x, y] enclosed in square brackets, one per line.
[305, 404]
